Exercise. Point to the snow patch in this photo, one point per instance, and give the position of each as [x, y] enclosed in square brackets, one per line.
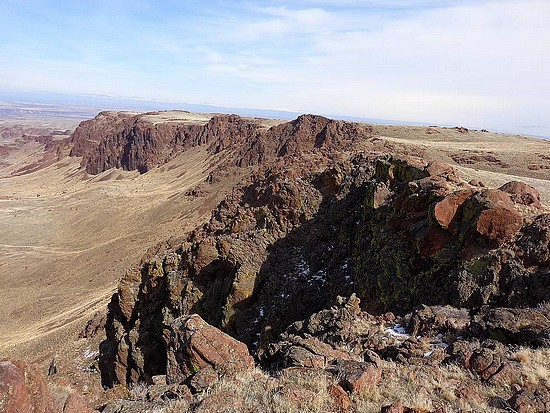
[398, 331]
[91, 354]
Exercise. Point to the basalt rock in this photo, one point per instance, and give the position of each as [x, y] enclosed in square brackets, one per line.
[198, 353]
[313, 222]
[23, 389]
[522, 193]
[132, 142]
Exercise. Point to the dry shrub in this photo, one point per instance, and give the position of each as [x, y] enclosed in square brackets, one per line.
[176, 406]
[138, 392]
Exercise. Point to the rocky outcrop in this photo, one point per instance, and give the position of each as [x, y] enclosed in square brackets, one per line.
[132, 142]
[317, 217]
[23, 389]
[305, 229]
[199, 353]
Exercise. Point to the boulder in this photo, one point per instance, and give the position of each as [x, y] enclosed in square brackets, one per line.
[446, 211]
[340, 397]
[500, 223]
[532, 400]
[194, 345]
[445, 320]
[522, 193]
[527, 326]
[23, 389]
[535, 241]
[492, 217]
[357, 376]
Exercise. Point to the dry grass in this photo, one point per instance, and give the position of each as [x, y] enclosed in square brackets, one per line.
[255, 391]
[177, 406]
[60, 393]
[429, 388]
[535, 366]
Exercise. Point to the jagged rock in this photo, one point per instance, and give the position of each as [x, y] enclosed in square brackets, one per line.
[340, 397]
[535, 400]
[528, 326]
[132, 142]
[94, 325]
[76, 403]
[445, 211]
[166, 392]
[444, 320]
[489, 360]
[303, 229]
[343, 332]
[357, 376]
[303, 352]
[493, 216]
[535, 241]
[193, 345]
[23, 389]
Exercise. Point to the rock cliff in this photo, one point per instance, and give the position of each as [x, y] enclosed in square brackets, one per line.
[137, 142]
[325, 214]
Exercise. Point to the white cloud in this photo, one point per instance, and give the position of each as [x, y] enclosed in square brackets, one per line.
[481, 63]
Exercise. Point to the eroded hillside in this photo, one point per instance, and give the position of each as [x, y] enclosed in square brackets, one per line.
[329, 237]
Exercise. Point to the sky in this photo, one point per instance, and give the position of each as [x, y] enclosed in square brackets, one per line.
[482, 63]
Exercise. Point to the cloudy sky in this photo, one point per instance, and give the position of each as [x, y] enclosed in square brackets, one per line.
[482, 63]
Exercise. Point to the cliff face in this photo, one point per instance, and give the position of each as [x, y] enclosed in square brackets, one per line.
[134, 142]
[326, 215]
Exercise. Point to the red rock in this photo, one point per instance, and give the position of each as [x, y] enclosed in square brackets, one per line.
[340, 397]
[194, 345]
[434, 240]
[23, 389]
[445, 211]
[496, 196]
[358, 376]
[500, 223]
[522, 193]
[476, 182]
[533, 400]
[442, 169]
[75, 403]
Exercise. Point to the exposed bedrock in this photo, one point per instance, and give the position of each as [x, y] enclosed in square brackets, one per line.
[131, 142]
[318, 219]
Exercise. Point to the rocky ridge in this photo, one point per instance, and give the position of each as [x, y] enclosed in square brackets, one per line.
[323, 218]
[334, 258]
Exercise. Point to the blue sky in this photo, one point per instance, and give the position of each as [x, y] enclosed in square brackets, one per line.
[480, 63]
